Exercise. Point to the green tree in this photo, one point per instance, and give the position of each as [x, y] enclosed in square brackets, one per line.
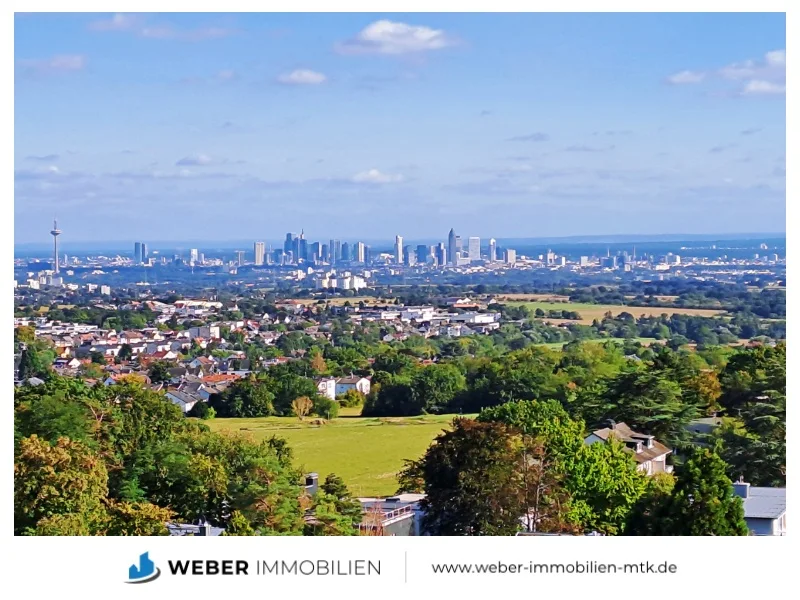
[65, 478]
[644, 518]
[159, 371]
[702, 501]
[125, 352]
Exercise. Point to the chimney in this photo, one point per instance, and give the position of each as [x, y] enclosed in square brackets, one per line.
[204, 528]
[741, 488]
[312, 483]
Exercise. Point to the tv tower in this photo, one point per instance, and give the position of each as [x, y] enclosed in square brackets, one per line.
[55, 232]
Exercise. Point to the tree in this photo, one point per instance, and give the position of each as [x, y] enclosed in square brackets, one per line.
[245, 398]
[25, 334]
[302, 406]
[125, 352]
[318, 363]
[646, 514]
[97, 357]
[137, 518]
[64, 478]
[702, 501]
[351, 398]
[346, 505]
[159, 372]
[325, 407]
[472, 481]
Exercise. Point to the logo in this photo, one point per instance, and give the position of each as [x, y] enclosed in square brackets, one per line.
[146, 571]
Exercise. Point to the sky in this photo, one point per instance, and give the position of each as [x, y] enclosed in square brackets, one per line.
[246, 126]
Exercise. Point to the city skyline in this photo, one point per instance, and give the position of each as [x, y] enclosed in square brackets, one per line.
[352, 121]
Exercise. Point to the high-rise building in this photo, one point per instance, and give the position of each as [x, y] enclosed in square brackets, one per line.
[409, 258]
[441, 254]
[360, 252]
[451, 247]
[459, 244]
[278, 256]
[346, 252]
[137, 252]
[367, 254]
[258, 253]
[492, 250]
[510, 256]
[423, 252]
[193, 256]
[326, 256]
[398, 250]
[315, 252]
[201, 258]
[474, 248]
[302, 249]
[146, 254]
[288, 243]
[239, 257]
[336, 250]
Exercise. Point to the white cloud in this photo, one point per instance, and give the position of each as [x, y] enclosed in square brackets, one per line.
[760, 87]
[61, 63]
[375, 176]
[197, 160]
[226, 75]
[302, 77]
[118, 22]
[686, 77]
[392, 37]
[776, 58]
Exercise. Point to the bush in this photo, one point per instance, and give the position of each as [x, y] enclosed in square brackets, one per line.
[351, 398]
[202, 410]
[325, 407]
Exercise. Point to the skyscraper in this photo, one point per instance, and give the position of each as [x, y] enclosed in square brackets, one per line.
[55, 232]
[423, 252]
[288, 243]
[360, 252]
[315, 252]
[346, 252]
[398, 250]
[193, 255]
[146, 254]
[239, 257]
[492, 250]
[441, 254]
[303, 248]
[409, 258]
[451, 248]
[511, 256]
[474, 248]
[326, 256]
[137, 252]
[258, 253]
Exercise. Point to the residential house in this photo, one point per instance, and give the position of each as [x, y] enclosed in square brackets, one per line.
[326, 386]
[399, 515]
[184, 400]
[764, 508]
[353, 382]
[650, 454]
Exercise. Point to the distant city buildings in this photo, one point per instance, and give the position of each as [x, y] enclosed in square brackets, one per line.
[492, 250]
[398, 250]
[258, 253]
[474, 248]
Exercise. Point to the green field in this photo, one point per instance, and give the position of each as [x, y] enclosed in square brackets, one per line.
[589, 312]
[366, 452]
[645, 341]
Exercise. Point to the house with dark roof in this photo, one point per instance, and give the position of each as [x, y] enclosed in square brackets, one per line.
[764, 508]
[649, 453]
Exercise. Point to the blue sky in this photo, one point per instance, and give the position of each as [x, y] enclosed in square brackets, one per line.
[244, 126]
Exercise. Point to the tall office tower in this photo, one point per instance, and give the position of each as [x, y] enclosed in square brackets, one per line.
[510, 256]
[145, 253]
[474, 248]
[193, 256]
[315, 252]
[288, 243]
[451, 248]
[367, 255]
[239, 256]
[346, 252]
[337, 250]
[409, 258]
[303, 248]
[277, 256]
[326, 256]
[201, 258]
[441, 255]
[137, 252]
[492, 250]
[258, 253]
[398, 250]
[332, 251]
[423, 252]
[55, 232]
[360, 252]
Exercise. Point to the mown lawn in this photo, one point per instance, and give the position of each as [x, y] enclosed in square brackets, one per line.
[366, 452]
[589, 312]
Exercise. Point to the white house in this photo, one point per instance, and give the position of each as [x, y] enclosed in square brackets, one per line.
[650, 455]
[184, 400]
[327, 387]
[354, 382]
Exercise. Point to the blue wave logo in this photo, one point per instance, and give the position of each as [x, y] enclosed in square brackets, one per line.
[145, 572]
